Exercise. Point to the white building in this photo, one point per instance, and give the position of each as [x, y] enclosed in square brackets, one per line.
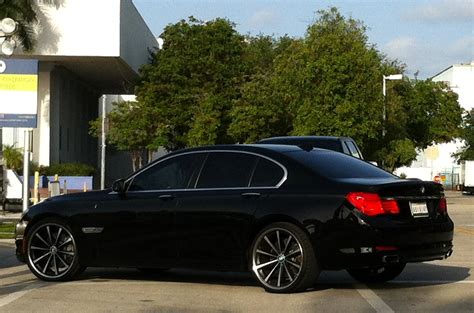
[437, 160]
[85, 48]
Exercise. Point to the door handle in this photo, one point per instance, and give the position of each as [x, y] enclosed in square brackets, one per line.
[251, 194]
[166, 197]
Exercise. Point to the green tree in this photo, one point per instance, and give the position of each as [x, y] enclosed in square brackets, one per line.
[127, 130]
[191, 82]
[12, 157]
[467, 134]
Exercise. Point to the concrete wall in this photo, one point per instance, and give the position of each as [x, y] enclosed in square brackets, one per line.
[79, 28]
[133, 35]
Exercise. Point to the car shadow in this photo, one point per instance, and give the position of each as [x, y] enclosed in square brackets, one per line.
[419, 274]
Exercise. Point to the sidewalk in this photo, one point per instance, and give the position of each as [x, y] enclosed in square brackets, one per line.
[8, 217]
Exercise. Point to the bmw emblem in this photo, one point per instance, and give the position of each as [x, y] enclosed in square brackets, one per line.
[422, 190]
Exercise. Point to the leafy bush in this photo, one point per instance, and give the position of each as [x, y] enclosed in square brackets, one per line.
[12, 157]
[67, 169]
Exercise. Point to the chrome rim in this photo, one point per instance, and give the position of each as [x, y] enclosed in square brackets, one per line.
[277, 258]
[51, 250]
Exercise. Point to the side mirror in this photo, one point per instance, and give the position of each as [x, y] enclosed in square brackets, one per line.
[119, 186]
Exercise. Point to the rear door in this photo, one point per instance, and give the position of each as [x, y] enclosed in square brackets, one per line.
[214, 220]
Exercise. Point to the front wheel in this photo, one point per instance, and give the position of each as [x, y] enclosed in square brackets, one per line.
[377, 274]
[283, 259]
[52, 251]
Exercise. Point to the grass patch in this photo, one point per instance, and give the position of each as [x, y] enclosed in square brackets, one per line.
[7, 230]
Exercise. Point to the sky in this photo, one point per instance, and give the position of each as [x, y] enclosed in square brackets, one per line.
[427, 36]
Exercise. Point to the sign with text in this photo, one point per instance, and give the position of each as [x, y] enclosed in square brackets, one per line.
[18, 93]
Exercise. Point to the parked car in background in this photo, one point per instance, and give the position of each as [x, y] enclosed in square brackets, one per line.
[345, 145]
[282, 212]
[467, 176]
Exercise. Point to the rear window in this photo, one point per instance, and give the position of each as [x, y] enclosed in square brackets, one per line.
[338, 165]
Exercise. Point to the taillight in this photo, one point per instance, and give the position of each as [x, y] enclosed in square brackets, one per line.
[442, 206]
[371, 204]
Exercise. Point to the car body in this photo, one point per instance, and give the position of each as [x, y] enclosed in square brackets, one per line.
[273, 209]
[345, 145]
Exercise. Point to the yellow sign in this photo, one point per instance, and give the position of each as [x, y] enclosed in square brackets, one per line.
[19, 82]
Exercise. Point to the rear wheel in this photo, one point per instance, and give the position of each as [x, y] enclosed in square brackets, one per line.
[377, 274]
[283, 259]
[52, 251]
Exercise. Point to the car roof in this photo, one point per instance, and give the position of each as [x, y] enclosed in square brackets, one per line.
[305, 138]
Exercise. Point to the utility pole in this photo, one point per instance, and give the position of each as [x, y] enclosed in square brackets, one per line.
[103, 145]
[26, 169]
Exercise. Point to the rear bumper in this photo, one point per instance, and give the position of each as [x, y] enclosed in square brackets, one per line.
[371, 257]
[367, 246]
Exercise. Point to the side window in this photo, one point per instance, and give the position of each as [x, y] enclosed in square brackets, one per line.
[267, 174]
[227, 170]
[174, 173]
[353, 149]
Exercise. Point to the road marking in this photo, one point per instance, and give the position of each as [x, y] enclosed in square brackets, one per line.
[18, 294]
[11, 270]
[371, 297]
[12, 297]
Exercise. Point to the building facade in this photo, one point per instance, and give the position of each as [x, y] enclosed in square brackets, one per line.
[437, 160]
[85, 49]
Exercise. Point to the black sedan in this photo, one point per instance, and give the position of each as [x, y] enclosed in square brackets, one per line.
[282, 212]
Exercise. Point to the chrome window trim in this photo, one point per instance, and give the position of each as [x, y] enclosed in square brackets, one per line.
[283, 179]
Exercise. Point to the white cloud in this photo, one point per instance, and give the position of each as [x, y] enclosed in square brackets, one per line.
[442, 11]
[428, 57]
[263, 17]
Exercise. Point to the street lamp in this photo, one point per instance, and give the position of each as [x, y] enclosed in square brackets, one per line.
[8, 27]
[384, 91]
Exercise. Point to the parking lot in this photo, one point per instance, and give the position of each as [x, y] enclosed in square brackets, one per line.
[439, 286]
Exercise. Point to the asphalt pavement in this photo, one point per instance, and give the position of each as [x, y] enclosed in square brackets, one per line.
[439, 286]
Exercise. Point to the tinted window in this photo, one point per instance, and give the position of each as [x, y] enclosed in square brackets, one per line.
[338, 165]
[353, 150]
[328, 144]
[174, 173]
[227, 170]
[267, 174]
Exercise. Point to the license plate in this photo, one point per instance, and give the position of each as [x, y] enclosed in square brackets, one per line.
[419, 209]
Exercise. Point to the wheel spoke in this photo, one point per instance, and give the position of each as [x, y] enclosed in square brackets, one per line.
[49, 236]
[41, 257]
[278, 241]
[57, 236]
[65, 242]
[279, 275]
[41, 238]
[287, 244]
[62, 261]
[287, 272]
[66, 252]
[271, 244]
[55, 265]
[293, 252]
[46, 265]
[39, 248]
[266, 253]
[259, 266]
[271, 272]
[294, 264]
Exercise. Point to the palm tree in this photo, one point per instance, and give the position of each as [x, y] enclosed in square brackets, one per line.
[22, 12]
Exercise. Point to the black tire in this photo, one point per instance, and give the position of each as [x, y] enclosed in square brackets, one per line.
[377, 274]
[51, 251]
[295, 259]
